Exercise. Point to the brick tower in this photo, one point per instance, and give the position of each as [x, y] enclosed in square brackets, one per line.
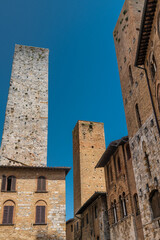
[141, 120]
[24, 140]
[88, 146]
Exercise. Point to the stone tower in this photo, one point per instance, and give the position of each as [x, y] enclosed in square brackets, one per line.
[24, 140]
[141, 120]
[88, 146]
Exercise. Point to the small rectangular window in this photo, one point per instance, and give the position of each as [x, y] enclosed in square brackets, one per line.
[87, 218]
[82, 222]
[95, 211]
[71, 228]
[128, 152]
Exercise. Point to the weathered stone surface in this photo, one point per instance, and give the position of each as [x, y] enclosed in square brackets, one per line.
[26, 123]
[88, 147]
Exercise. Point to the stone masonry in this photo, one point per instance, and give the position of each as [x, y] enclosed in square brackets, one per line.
[24, 140]
[88, 146]
[142, 126]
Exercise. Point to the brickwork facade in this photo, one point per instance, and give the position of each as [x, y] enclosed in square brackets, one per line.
[123, 208]
[25, 198]
[94, 218]
[88, 146]
[70, 229]
[140, 96]
[32, 197]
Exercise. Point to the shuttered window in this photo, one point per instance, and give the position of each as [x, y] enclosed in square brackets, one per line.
[40, 214]
[8, 215]
[3, 187]
[41, 184]
[8, 184]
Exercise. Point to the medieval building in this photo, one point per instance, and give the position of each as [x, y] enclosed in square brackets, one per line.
[137, 47]
[124, 216]
[32, 197]
[131, 164]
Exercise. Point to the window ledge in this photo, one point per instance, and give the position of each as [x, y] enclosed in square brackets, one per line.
[9, 191]
[41, 191]
[5, 224]
[36, 224]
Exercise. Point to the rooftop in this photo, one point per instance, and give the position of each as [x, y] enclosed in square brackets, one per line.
[110, 151]
[145, 30]
[90, 201]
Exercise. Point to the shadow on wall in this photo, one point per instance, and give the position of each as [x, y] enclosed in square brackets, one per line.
[45, 236]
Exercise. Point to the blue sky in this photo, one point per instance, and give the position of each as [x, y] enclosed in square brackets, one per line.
[83, 74]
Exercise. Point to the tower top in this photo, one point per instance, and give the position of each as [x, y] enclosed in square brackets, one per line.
[24, 140]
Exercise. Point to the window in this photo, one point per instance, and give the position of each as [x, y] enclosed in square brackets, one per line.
[40, 217]
[158, 96]
[82, 222]
[123, 208]
[115, 212]
[136, 203]
[130, 75]
[111, 174]
[128, 151]
[153, 65]
[77, 226]
[8, 184]
[87, 218]
[138, 116]
[71, 228]
[119, 164]
[8, 211]
[41, 184]
[158, 24]
[155, 203]
[95, 211]
[40, 214]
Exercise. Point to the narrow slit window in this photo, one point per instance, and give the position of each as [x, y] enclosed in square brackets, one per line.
[138, 116]
[130, 75]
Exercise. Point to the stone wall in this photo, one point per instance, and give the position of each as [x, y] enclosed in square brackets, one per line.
[88, 147]
[147, 139]
[25, 199]
[96, 227]
[125, 230]
[26, 122]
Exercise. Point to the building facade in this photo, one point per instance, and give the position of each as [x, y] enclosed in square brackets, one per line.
[88, 146]
[32, 197]
[122, 200]
[138, 28]
[94, 218]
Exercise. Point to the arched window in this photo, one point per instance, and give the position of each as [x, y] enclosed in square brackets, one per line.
[124, 205]
[123, 208]
[8, 184]
[155, 203]
[119, 164]
[153, 65]
[158, 96]
[8, 211]
[114, 211]
[40, 213]
[130, 75]
[136, 204]
[138, 116]
[41, 184]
